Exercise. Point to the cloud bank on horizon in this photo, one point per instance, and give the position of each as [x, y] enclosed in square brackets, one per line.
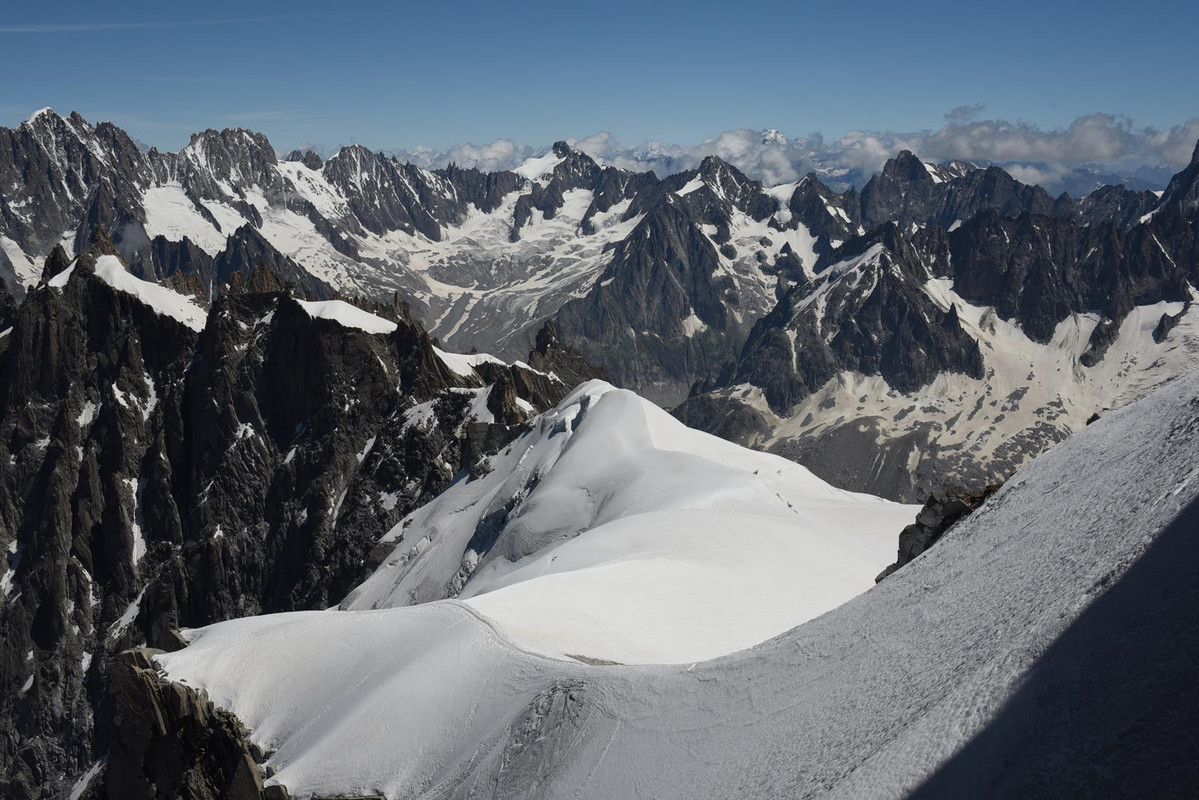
[1104, 142]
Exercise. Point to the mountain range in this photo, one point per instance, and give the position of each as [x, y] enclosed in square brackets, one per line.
[897, 303]
[268, 510]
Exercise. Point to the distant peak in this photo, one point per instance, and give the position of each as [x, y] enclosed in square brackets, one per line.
[773, 136]
[207, 133]
[225, 135]
[905, 166]
[308, 158]
[41, 112]
[355, 149]
[562, 149]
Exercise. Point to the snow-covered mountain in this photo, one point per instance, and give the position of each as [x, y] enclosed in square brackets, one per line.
[1043, 647]
[612, 532]
[233, 407]
[678, 285]
[918, 357]
[659, 280]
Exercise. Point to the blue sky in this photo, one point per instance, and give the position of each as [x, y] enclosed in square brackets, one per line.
[396, 75]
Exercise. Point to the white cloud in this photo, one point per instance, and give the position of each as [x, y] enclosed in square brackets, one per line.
[497, 155]
[1033, 154]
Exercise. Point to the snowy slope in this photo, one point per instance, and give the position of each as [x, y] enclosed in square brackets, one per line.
[866, 701]
[346, 315]
[613, 532]
[163, 300]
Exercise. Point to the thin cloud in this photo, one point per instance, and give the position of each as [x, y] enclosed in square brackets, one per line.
[214, 79]
[87, 27]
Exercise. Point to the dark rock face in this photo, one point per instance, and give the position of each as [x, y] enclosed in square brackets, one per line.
[247, 250]
[662, 273]
[907, 193]
[164, 739]
[734, 421]
[384, 195]
[873, 317]
[551, 355]
[1037, 270]
[668, 309]
[575, 171]
[1182, 194]
[485, 190]
[1167, 323]
[1114, 204]
[234, 156]
[8, 308]
[306, 157]
[161, 477]
[163, 258]
[941, 512]
[61, 170]
[831, 217]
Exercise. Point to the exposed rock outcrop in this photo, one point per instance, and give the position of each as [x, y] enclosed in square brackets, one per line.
[941, 512]
[166, 740]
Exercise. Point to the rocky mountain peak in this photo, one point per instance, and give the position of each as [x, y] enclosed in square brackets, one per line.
[36, 116]
[714, 166]
[731, 185]
[46, 119]
[210, 145]
[772, 136]
[56, 262]
[577, 170]
[306, 157]
[906, 167]
[1182, 194]
[101, 244]
[547, 337]
[70, 137]
[355, 151]
[960, 168]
